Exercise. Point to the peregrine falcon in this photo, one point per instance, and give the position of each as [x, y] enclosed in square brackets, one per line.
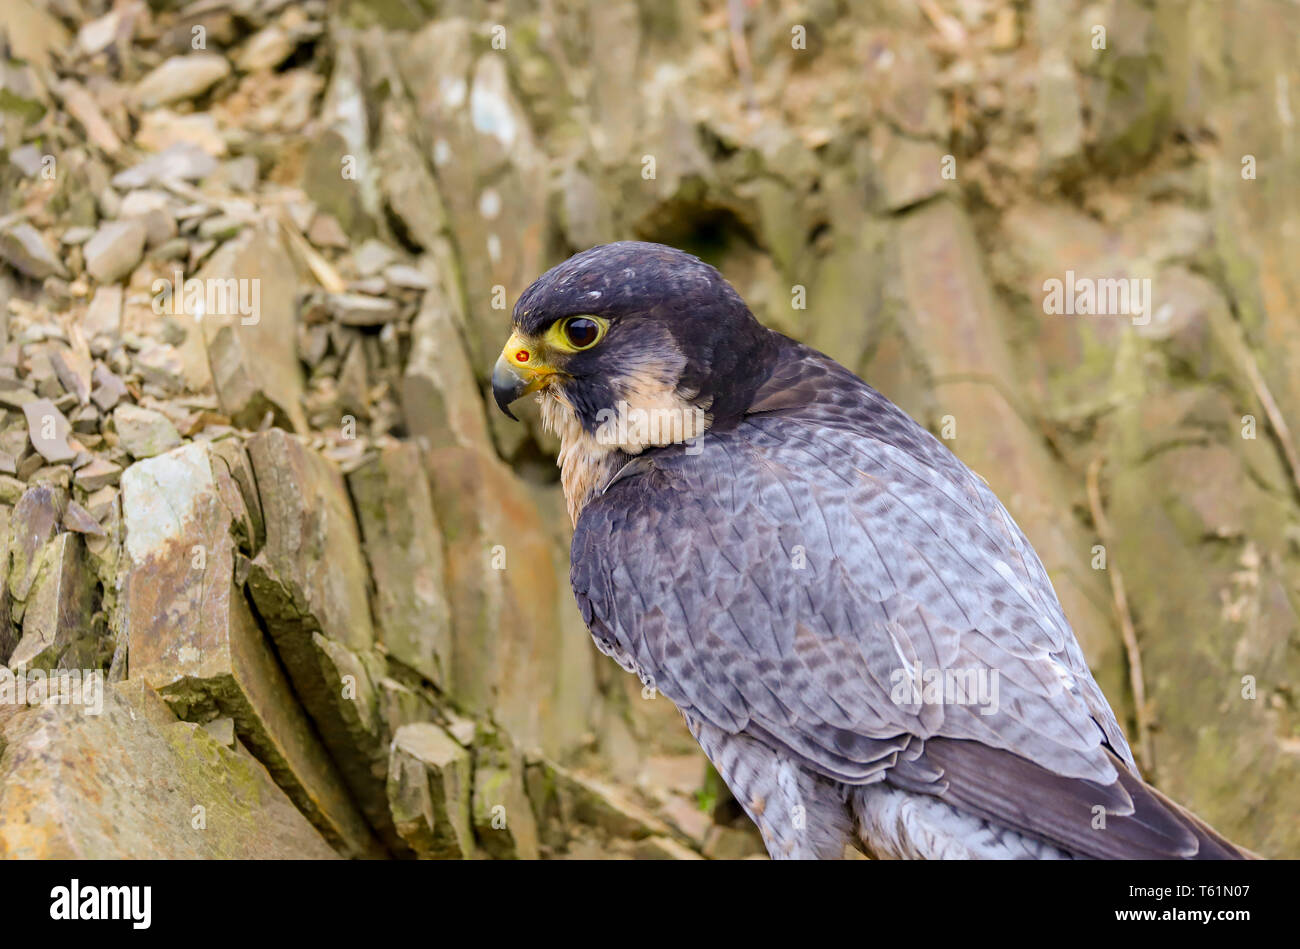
[855, 630]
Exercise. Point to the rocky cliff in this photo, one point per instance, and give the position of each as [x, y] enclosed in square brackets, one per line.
[259, 257]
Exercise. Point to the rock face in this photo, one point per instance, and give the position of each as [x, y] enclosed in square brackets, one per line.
[403, 545]
[309, 585]
[134, 780]
[193, 636]
[250, 296]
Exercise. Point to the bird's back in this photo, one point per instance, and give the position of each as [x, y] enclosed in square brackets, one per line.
[792, 580]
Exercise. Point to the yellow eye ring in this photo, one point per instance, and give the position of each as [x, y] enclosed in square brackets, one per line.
[575, 334]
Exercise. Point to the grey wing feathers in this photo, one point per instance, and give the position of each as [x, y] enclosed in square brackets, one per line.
[775, 584]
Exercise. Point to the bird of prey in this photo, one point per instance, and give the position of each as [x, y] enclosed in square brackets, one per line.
[856, 631]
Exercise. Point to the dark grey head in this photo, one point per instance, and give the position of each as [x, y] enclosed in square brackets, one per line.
[634, 322]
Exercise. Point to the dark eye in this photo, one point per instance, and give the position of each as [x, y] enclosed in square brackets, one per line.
[581, 332]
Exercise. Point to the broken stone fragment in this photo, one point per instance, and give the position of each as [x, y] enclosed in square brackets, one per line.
[109, 389]
[144, 433]
[76, 518]
[407, 277]
[429, 792]
[325, 231]
[374, 286]
[312, 545]
[30, 465]
[97, 474]
[183, 161]
[233, 366]
[193, 636]
[162, 128]
[22, 95]
[115, 250]
[239, 471]
[401, 705]
[684, 813]
[11, 489]
[76, 235]
[238, 174]
[16, 398]
[85, 422]
[155, 776]
[908, 171]
[221, 227]
[408, 184]
[104, 314]
[265, 49]
[25, 249]
[73, 369]
[373, 256]
[588, 800]
[57, 616]
[464, 730]
[48, 431]
[178, 248]
[180, 78]
[161, 366]
[223, 731]
[143, 201]
[503, 817]
[33, 528]
[101, 502]
[353, 384]
[60, 475]
[159, 226]
[1058, 114]
[440, 396]
[97, 35]
[41, 374]
[84, 108]
[356, 309]
[27, 159]
[540, 782]
[480, 504]
[252, 356]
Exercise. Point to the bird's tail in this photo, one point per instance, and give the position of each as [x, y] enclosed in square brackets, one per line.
[1140, 822]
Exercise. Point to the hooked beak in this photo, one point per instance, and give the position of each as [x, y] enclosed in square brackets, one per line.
[514, 377]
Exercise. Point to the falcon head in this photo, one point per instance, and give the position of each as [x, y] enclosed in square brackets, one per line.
[630, 345]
